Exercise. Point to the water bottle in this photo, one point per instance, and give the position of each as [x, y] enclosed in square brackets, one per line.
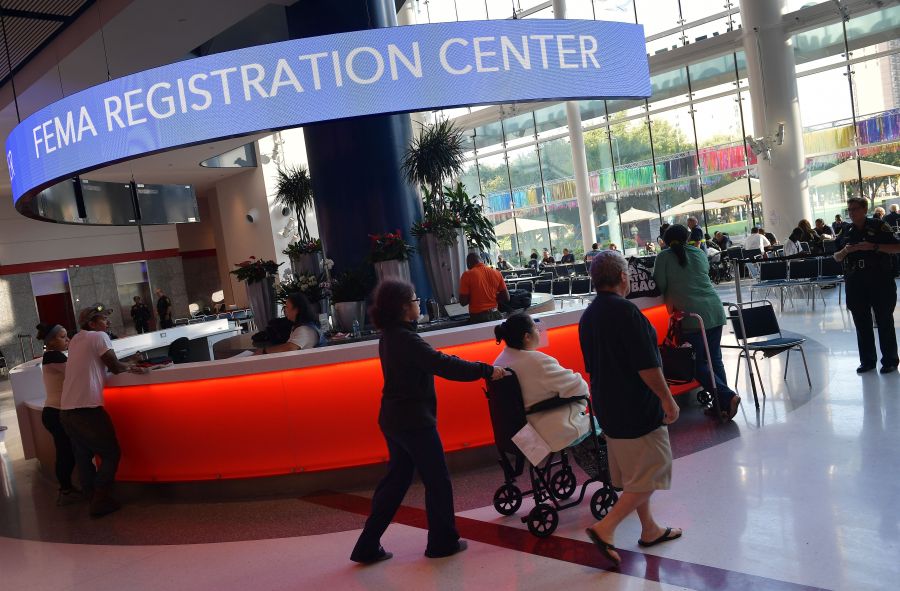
[356, 332]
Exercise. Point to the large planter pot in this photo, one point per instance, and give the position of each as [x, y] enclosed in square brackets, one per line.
[346, 312]
[262, 301]
[445, 265]
[307, 263]
[393, 270]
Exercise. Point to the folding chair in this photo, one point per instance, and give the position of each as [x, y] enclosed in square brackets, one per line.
[757, 320]
[772, 275]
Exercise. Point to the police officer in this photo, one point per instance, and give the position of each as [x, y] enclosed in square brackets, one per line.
[867, 246]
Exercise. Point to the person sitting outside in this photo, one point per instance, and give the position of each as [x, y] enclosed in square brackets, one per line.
[81, 408]
[547, 259]
[773, 241]
[482, 288]
[589, 256]
[306, 332]
[567, 258]
[632, 402]
[722, 241]
[612, 246]
[533, 262]
[53, 370]
[822, 229]
[541, 378]
[503, 264]
[682, 276]
[792, 244]
[140, 315]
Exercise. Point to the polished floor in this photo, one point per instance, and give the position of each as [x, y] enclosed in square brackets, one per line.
[797, 495]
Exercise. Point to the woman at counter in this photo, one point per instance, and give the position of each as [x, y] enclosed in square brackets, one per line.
[682, 275]
[408, 422]
[53, 369]
[306, 332]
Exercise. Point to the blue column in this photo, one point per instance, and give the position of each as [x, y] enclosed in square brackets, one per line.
[355, 163]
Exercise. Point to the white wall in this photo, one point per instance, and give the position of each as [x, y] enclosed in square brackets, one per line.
[236, 238]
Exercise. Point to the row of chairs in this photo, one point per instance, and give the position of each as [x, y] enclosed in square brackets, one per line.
[239, 315]
[551, 271]
[571, 287]
[809, 273]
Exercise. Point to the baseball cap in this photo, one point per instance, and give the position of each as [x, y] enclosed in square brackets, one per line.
[88, 314]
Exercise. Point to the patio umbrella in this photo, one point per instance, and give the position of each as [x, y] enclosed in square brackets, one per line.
[734, 190]
[634, 215]
[510, 226]
[848, 171]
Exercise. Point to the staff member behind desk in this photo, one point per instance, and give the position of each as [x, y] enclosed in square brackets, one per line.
[481, 288]
[408, 420]
[867, 246]
[306, 332]
[81, 409]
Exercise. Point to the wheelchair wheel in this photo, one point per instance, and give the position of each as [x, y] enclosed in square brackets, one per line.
[507, 499]
[563, 484]
[542, 520]
[602, 501]
[704, 398]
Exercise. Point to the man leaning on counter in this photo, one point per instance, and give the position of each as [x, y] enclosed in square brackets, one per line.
[481, 288]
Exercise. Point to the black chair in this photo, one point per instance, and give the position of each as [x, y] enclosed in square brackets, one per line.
[829, 247]
[831, 269]
[546, 276]
[561, 287]
[581, 286]
[804, 269]
[580, 268]
[180, 350]
[181, 321]
[772, 275]
[734, 252]
[755, 327]
[804, 247]
[543, 286]
[526, 285]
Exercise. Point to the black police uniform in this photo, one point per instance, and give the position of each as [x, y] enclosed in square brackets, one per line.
[871, 287]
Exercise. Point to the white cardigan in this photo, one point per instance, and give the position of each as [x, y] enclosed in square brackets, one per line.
[541, 377]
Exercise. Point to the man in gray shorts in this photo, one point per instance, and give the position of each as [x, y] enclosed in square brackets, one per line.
[632, 402]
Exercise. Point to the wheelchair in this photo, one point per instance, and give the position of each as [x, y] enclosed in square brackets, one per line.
[553, 482]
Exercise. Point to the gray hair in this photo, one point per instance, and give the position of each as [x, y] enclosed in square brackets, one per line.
[894, 207]
[607, 268]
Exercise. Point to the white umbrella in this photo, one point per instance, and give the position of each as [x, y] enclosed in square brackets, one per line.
[733, 190]
[692, 205]
[633, 215]
[848, 171]
[510, 226]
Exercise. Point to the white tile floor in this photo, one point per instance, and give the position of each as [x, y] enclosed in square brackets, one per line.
[806, 495]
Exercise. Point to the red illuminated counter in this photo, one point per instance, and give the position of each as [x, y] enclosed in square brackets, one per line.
[300, 411]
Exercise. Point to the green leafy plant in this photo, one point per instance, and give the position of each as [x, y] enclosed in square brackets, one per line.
[303, 247]
[351, 286]
[388, 247]
[313, 287]
[434, 157]
[479, 230]
[293, 189]
[253, 269]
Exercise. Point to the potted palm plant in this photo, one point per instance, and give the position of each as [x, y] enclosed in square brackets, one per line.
[258, 275]
[389, 253]
[293, 189]
[434, 157]
[349, 290]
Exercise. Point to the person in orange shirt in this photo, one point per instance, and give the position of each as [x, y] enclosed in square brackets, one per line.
[480, 288]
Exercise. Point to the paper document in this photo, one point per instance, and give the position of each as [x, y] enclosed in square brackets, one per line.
[532, 444]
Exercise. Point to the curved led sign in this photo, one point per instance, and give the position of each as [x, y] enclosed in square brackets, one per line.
[292, 83]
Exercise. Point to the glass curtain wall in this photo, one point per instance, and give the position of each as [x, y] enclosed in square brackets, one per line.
[681, 152]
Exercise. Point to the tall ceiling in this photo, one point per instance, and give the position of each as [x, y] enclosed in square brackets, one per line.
[30, 25]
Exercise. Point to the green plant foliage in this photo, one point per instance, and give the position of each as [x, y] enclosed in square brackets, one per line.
[253, 269]
[293, 189]
[303, 247]
[352, 285]
[435, 156]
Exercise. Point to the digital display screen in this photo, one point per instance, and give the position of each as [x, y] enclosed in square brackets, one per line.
[167, 204]
[59, 203]
[108, 204]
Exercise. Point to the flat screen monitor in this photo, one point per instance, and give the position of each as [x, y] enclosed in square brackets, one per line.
[59, 203]
[108, 204]
[167, 204]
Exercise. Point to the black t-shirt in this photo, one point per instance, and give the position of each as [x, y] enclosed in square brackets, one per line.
[617, 341]
[54, 357]
[162, 306]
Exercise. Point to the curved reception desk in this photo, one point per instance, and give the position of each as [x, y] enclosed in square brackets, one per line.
[295, 412]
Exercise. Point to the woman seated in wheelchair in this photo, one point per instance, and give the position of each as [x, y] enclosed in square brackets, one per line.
[541, 378]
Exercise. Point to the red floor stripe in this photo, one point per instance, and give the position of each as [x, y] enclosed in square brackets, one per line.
[636, 564]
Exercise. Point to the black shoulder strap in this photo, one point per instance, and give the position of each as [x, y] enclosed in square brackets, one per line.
[552, 403]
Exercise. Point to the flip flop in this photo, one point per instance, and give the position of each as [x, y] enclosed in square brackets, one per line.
[603, 546]
[666, 537]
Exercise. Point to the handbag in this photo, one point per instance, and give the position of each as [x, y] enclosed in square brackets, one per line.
[677, 356]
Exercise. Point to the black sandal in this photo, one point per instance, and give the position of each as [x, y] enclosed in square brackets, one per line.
[663, 538]
[604, 547]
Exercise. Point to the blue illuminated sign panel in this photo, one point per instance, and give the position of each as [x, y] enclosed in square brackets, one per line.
[293, 83]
